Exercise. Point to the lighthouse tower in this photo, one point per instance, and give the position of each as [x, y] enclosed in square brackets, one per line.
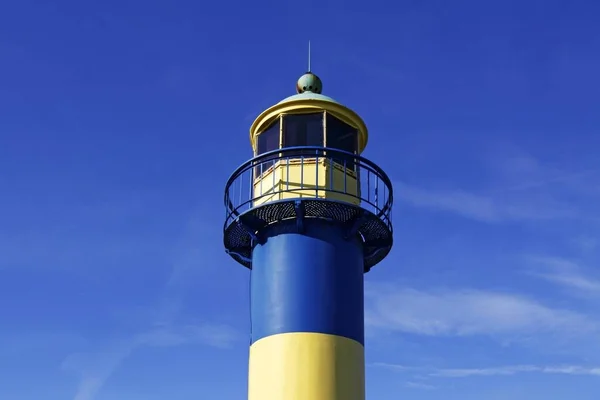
[309, 216]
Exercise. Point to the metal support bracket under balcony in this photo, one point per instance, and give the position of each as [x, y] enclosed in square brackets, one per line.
[300, 212]
[356, 223]
[238, 256]
[252, 225]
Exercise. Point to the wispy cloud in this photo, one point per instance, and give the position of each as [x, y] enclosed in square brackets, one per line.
[95, 368]
[162, 328]
[512, 370]
[494, 371]
[221, 336]
[469, 312]
[490, 208]
[565, 273]
[515, 187]
[585, 243]
[418, 385]
[517, 170]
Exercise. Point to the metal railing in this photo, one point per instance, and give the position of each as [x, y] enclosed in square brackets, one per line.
[267, 178]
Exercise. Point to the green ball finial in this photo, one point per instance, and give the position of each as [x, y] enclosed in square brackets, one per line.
[309, 82]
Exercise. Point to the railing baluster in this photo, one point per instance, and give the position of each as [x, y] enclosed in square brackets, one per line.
[358, 180]
[227, 206]
[368, 185]
[251, 198]
[377, 194]
[331, 167]
[301, 174]
[345, 177]
[384, 194]
[241, 186]
[317, 175]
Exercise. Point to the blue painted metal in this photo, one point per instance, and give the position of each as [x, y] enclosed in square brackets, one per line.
[371, 221]
[358, 221]
[308, 254]
[366, 170]
[307, 282]
[299, 209]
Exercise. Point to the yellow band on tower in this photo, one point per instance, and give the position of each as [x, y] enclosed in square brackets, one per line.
[306, 366]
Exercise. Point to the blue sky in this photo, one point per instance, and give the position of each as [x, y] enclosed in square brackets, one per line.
[120, 122]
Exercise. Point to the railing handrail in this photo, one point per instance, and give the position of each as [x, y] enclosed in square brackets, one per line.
[288, 152]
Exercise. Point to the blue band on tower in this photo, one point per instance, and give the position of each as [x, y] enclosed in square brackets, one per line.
[307, 282]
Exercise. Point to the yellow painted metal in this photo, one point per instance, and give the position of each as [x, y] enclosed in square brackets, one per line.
[306, 178]
[303, 106]
[306, 366]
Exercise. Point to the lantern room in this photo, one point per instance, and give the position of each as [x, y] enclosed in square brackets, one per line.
[303, 127]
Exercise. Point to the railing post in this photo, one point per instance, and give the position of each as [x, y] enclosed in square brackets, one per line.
[331, 167]
[252, 179]
[262, 165]
[317, 174]
[345, 177]
[369, 185]
[241, 185]
[377, 194]
[299, 209]
[301, 173]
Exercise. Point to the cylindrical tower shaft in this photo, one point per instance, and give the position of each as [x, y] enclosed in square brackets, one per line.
[307, 314]
[309, 216]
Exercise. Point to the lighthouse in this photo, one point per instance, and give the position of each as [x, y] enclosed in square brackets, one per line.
[309, 216]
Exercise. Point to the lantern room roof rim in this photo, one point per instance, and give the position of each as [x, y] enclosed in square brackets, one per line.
[309, 102]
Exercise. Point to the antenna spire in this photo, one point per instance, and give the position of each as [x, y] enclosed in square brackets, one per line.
[309, 55]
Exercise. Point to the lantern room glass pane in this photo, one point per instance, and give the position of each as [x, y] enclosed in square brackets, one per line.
[341, 136]
[268, 140]
[303, 130]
